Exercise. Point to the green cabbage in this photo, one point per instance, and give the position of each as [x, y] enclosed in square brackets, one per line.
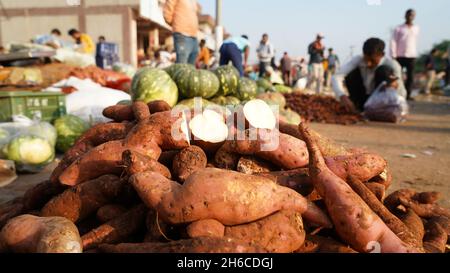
[69, 128]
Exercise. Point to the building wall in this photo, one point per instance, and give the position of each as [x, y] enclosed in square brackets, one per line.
[108, 25]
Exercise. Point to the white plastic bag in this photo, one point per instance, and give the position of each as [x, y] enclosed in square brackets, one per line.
[385, 104]
[74, 58]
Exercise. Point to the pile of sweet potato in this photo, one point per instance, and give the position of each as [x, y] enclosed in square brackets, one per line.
[323, 109]
[130, 186]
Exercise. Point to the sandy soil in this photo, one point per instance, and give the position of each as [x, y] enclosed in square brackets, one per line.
[426, 135]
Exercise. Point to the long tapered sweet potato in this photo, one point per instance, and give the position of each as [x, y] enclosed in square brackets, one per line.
[10, 210]
[187, 161]
[109, 212]
[411, 199]
[229, 197]
[377, 189]
[328, 147]
[319, 244]
[281, 232]
[140, 111]
[116, 229]
[135, 162]
[443, 221]
[353, 219]
[414, 224]
[393, 223]
[435, 238]
[32, 234]
[93, 137]
[81, 201]
[121, 113]
[162, 131]
[297, 179]
[196, 245]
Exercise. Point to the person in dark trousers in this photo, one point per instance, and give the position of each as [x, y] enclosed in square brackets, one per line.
[430, 67]
[316, 57]
[333, 63]
[404, 47]
[232, 50]
[286, 67]
[266, 53]
[359, 73]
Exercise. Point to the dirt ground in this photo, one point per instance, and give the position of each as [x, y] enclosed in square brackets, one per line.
[426, 135]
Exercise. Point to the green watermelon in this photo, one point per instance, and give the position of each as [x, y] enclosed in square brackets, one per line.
[264, 84]
[151, 84]
[171, 70]
[229, 80]
[247, 89]
[69, 128]
[273, 99]
[197, 83]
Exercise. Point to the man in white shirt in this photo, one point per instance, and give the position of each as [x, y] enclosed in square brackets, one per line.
[266, 52]
[358, 75]
[404, 47]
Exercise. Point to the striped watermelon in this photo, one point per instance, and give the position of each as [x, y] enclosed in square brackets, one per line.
[171, 70]
[229, 80]
[151, 84]
[247, 89]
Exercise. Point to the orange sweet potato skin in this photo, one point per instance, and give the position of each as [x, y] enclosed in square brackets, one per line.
[121, 113]
[196, 245]
[32, 234]
[206, 228]
[109, 212]
[229, 197]
[319, 244]
[187, 161]
[79, 202]
[361, 166]
[297, 179]
[135, 162]
[253, 165]
[10, 210]
[116, 229]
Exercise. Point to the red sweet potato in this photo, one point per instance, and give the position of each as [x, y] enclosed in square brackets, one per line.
[377, 189]
[109, 212]
[135, 162]
[361, 166]
[353, 219]
[10, 210]
[435, 239]
[253, 165]
[140, 111]
[297, 179]
[32, 234]
[116, 229]
[81, 201]
[197, 245]
[121, 113]
[187, 161]
[319, 244]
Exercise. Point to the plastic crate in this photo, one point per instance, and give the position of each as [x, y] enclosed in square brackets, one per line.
[47, 106]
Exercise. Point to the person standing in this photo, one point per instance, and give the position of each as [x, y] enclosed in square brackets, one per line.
[232, 50]
[333, 64]
[84, 42]
[404, 47]
[286, 67]
[182, 16]
[316, 57]
[447, 67]
[358, 75]
[204, 57]
[266, 53]
[430, 67]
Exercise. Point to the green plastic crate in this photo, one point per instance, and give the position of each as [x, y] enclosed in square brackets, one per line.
[47, 106]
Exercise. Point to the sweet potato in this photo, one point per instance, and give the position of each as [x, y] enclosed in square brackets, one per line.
[116, 229]
[32, 234]
[328, 147]
[443, 221]
[225, 159]
[377, 189]
[435, 239]
[140, 111]
[415, 225]
[229, 197]
[93, 137]
[384, 178]
[135, 162]
[121, 113]
[149, 137]
[79, 202]
[158, 230]
[353, 219]
[361, 166]
[187, 161]
[206, 228]
[10, 210]
[197, 245]
[297, 179]
[393, 223]
[109, 212]
[39, 195]
[281, 232]
[411, 199]
[319, 244]
[253, 165]
[167, 157]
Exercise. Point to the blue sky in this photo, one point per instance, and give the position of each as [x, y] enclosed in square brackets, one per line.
[292, 24]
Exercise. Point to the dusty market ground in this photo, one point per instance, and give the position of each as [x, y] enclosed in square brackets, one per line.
[426, 135]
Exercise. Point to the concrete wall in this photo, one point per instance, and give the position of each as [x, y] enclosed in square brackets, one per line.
[108, 25]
